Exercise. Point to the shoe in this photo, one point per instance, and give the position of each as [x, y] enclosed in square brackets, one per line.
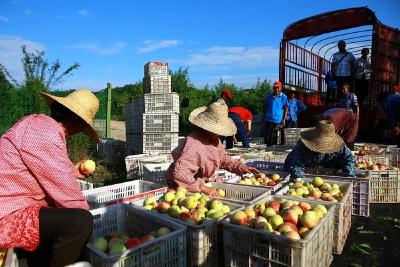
[80, 264]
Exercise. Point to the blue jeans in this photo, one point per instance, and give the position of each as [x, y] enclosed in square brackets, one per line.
[241, 132]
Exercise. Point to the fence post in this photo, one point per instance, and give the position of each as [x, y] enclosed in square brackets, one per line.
[108, 116]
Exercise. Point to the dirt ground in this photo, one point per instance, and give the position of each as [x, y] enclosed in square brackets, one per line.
[118, 130]
[373, 241]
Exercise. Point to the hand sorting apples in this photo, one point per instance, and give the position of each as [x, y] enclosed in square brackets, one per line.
[192, 209]
[317, 189]
[260, 179]
[87, 167]
[292, 219]
[116, 243]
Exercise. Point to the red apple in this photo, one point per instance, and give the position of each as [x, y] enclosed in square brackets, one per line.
[275, 205]
[132, 242]
[87, 167]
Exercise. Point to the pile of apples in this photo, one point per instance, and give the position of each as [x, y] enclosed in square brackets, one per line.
[261, 179]
[292, 219]
[370, 165]
[116, 243]
[368, 150]
[193, 209]
[317, 189]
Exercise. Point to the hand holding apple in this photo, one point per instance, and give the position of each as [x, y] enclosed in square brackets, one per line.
[87, 167]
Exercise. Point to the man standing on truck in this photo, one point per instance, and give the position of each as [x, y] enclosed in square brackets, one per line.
[362, 75]
[343, 64]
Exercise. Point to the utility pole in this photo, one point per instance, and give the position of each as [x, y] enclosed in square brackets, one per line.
[108, 118]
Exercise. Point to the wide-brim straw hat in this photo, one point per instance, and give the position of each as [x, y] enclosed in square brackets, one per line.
[83, 103]
[214, 118]
[322, 138]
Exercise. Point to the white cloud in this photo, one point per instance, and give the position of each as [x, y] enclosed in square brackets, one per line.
[83, 12]
[150, 45]
[102, 51]
[10, 53]
[5, 19]
[233, 57]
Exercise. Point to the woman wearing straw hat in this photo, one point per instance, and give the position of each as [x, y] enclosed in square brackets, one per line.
[43, 211]
[320, 146]
[197, 160]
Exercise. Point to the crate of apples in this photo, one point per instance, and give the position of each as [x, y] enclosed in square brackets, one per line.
[192, 209]
[316, 189]
[289, 218]
[271, 179]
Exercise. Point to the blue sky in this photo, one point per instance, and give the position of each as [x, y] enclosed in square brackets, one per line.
[237, 41]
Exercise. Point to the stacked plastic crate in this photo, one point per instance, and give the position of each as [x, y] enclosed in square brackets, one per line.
[152, 121]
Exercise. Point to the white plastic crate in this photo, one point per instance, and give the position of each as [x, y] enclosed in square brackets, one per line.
[154, 172]
[122, 193]
[134, 163]
[159, 142]
[156, 68]
[204, 241]
[154, 123]
[161, 103]
[291, 136]
[85, 185]
[225, 175]
[264, 165]
[167, 250]
[155, 84]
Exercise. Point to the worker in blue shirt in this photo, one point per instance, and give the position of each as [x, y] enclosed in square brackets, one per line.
[295, 107]
[320, 146]
[275, 111]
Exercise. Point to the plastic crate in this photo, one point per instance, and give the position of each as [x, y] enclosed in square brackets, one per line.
[155, 84]
[394, 157]
[154, 123]
[291, 136]
[323, 171]
[264, 165]
[374, 158]
[150, 143]
[204, 241]
[342, 215]
[134, 163]
[360, 192]
[154, 172]
[384, 186]
[123, 192]
[247, 247]
[156, 68]
[241, 194]
[285, 178]
[225, 175]
[167, 250]
[161, 103]
[85, 185]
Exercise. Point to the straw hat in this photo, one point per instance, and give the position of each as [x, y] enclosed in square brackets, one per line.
[322, 138]
[214, 118]
[83, 103]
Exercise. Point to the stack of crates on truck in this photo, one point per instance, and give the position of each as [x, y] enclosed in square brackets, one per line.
[134, 163]
[152, 121]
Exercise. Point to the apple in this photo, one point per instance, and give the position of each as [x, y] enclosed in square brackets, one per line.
[269, 212]
[132, 242]
[250, 213]
[309, 219]
[216, 204]
[293, 235]
[317, 181]
[117, 248]
[290, 215]
[275, 205]
[297, 209]
[287, 227]
[221, 192]
[304, 231]
[182, 189]
[169, 196]
[113, 241]
[239, 217]
[184, 215]
[226, 209]
[275, 177]
[100, 243]
[124, 236]
[174, 211]
[259, 208]
[87, 167]
[149, 201]
[163, 231]
[305, 206]
[190, 202]
[146, 238]
[321, 207]
[163, 207]
[275, 221]
[265, 226]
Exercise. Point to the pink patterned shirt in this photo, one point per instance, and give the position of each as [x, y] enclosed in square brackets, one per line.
[197, 161]
[35, 172]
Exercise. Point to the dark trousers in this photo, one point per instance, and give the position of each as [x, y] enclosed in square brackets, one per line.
[241, 133]
[361, 90]
[331, 95]
[63, 235]
[345, 79]
[270, 133]
[291, 124]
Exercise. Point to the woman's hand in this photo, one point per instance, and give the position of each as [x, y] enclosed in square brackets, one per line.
[209, 191]
[77, 173]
